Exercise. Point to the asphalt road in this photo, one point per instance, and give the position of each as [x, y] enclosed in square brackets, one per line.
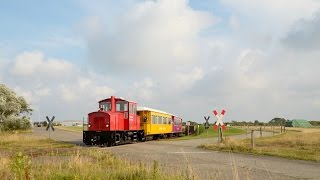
[183, 157]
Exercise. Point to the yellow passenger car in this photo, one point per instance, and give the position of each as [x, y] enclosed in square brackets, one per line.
[154, 122]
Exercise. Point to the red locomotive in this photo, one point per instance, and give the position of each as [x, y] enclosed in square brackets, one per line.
[117, 122]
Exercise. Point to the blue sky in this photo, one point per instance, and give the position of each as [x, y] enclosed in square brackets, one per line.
[254, 59]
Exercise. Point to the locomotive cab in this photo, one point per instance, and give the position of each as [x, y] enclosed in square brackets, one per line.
[114, 114]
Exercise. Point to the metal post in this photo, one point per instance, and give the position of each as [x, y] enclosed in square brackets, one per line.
[82, 123]
[220, 134]
[252, 139]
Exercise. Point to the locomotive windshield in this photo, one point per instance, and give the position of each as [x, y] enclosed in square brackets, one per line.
[121, 106]
[105, 106]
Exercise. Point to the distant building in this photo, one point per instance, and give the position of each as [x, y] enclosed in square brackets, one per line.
[72, 123]
[301, 123]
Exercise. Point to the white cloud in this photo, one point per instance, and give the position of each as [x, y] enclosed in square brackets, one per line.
[55, 66]
[151, 35]
[25, 93]
[27, 63]
[144, 90]
[42, 92]
[55, 84]
[84, 82]
[100, 92]
[284, 11]
[186, 80]
[169, 56]
[68, 94]
[31, 63]
[234, 22]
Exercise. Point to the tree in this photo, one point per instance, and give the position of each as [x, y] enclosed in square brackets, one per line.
[278, 121]
[14, 110]
[315, 123]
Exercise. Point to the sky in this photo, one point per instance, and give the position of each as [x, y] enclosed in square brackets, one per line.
[256, 59]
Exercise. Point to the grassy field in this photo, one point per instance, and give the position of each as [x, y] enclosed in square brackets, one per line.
[27, 157]
[211, 133]
[296, 143]
[70, 128]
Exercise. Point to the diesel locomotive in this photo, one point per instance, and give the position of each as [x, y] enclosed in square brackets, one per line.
[119, 121]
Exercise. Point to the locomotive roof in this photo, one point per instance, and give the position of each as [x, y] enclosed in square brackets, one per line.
[141, 108]
[116, 98]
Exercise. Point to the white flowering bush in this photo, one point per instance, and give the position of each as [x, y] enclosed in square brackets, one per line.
[14, 111]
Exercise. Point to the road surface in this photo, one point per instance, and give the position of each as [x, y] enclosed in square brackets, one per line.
[183, 157]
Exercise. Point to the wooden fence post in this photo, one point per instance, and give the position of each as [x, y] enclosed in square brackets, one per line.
[272, 130]
[252, 139]
[260, 132]
[247, 131]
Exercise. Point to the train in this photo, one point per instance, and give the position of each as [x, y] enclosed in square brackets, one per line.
[120, 121]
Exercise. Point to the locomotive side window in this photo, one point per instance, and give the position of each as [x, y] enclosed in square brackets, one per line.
[121, 106]
[134, 109]
[165, 120]
[105, 106]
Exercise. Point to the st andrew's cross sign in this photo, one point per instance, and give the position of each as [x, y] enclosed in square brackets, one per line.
[206, 125]
[50, 125]
[219, 119]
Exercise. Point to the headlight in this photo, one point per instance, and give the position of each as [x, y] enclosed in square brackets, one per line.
[107, 125]
[89, 125]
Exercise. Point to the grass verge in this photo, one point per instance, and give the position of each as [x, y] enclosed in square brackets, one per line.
[211, 133]
[294, 144]
[70, 128]
[27, 157]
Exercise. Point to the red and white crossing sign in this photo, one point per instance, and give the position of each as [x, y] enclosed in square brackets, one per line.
[219, 121]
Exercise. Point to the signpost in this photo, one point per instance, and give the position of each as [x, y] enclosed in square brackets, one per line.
[206, 125]
[50, 125]
[219, 124]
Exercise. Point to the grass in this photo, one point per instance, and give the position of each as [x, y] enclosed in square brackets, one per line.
[211, 133]
[70, 128]
[27, 157]
[303, 144]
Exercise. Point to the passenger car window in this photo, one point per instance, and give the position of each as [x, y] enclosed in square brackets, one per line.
[159, 120]
[154, 121]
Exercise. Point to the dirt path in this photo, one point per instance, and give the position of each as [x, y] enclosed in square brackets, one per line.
[183, 157]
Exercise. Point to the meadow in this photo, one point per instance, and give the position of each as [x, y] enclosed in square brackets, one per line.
[295, 143]
[209, 133]
[27, 157]
[71, 128]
